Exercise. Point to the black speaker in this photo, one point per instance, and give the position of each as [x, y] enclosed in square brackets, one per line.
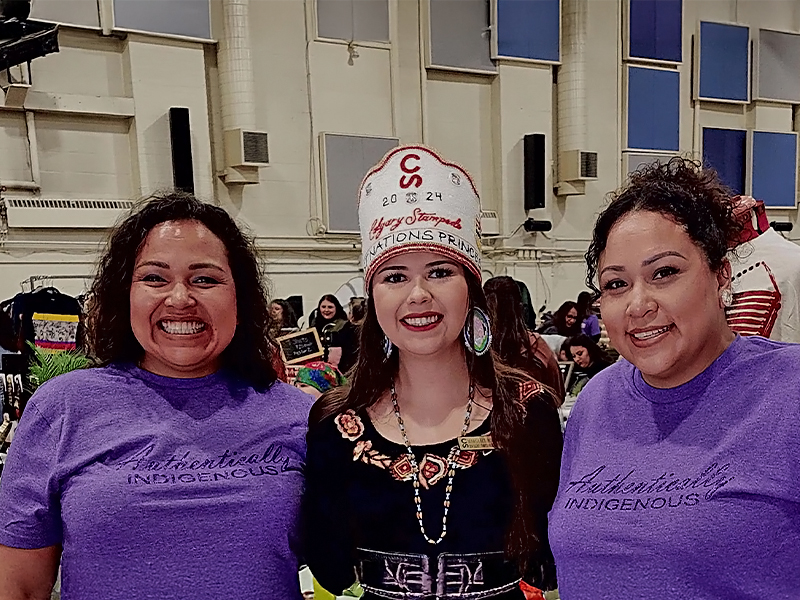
[533, 151]
[181, 140]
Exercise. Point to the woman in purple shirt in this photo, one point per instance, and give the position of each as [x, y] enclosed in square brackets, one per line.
[175, 469]
[681, 466]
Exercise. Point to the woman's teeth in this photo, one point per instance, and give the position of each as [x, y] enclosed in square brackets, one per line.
[422, 321]
[646, 335]
[182, 327]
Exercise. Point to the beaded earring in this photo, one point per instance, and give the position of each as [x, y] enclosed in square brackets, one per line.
[727, 297]
[387, 347]
[477, 332]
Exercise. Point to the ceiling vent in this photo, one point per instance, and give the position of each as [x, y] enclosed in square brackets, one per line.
[577, 165]
[246, 148]
[39, 213]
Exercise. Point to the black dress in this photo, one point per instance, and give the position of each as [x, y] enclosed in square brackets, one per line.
[361, 516]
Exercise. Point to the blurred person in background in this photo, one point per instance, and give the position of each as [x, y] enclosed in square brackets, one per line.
[565, 321]
[358, 310]
[283, 318]
[338, 334]
[137, 475]
[590, 323]
[589, 359]
[513, 342]
[563, 352]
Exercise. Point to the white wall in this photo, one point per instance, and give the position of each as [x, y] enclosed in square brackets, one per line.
[95, 126]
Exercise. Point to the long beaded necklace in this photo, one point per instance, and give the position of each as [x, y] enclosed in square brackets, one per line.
[451, 464]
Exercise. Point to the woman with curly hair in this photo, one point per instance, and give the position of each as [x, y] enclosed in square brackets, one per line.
[429, 474]
[682, 460]
[181, 450]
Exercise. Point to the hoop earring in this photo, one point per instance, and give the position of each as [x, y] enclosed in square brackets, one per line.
[388, 347]
[727, 298]
[477, 332]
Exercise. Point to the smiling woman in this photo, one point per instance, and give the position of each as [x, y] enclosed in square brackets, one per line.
[183, 300]
[682, 461]
[185, 414]
[444, 460]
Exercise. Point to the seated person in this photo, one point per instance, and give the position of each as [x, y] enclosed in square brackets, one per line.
[589, 359]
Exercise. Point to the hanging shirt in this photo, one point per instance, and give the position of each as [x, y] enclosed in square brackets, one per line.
[159, 488]
[690, 492]
[56, 325]
[766, 288]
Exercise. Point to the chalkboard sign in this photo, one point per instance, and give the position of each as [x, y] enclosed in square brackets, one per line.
[301, 346]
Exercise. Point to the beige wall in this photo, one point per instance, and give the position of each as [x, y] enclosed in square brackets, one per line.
[95, 126]
[100, 114]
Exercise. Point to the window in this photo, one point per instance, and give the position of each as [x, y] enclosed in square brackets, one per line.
[774, 168]
[777, 63]
[527, 29]
[459, 35]
[655, 29]
[75, 12]
[345, 161]
[637, 160]
[724, 63]
[653, 109]
[191, 18]
[724, 151]
[353, 20]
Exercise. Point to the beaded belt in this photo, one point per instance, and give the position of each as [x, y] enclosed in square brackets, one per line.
[400, 576]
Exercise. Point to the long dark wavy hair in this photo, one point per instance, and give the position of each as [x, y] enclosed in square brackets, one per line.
[531, 451]
[110, 335]
[511, 339]
[682, 191]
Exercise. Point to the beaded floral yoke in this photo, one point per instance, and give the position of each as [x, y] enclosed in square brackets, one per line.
[432, 468]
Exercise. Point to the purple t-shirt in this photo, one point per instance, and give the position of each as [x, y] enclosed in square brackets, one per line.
[691, 492]
[159, 488]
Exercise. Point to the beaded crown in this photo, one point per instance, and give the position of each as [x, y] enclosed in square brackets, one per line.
[413, 199]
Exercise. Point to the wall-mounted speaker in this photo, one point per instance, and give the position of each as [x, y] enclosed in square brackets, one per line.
[180, 134]
[533, 162]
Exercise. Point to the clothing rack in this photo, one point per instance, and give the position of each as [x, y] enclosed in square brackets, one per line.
[10, 405]
[33, 279]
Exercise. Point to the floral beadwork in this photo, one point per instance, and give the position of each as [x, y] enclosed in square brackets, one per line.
[366, 454]
[349, 425]
[432, 468]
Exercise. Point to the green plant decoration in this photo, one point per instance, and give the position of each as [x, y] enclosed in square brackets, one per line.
[46, 365]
